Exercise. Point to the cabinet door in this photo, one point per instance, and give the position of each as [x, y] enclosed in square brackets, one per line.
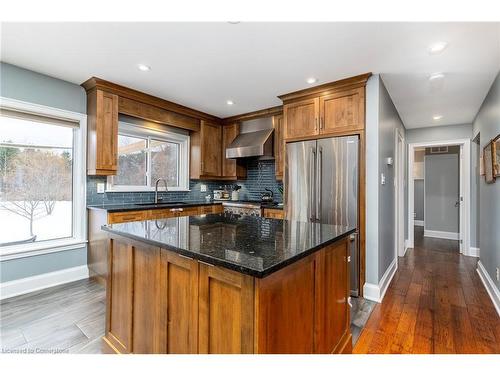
[285, 310]
[119, 296]
[107, 131]
[301, 119]
[342, 111]
[278, 146]
[179, 302]
[226, 305]
[211, 144]
[229, 133]
[146, 310]
[332, 323]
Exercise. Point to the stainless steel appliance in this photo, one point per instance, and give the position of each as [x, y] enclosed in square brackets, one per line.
[242, 208]
[321, 185]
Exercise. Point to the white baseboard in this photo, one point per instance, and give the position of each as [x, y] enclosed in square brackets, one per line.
[33, 283]
[407, 246]
[473, 252]
[490, 286]
[418, 223]
[375, 292]
[441, 234]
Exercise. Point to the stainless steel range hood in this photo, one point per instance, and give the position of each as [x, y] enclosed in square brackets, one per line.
[254, 141]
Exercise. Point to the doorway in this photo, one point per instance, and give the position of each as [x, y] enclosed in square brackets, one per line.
[441, 212]
[399, 238]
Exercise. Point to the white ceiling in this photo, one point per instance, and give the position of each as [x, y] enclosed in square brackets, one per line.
[201, 65]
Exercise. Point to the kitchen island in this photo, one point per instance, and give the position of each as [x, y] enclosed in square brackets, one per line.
[227, 284]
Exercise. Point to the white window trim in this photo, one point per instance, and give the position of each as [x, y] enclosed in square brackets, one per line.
[79, 237]
[143, 132]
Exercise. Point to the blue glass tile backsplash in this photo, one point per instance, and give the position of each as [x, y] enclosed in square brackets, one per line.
[260, 175]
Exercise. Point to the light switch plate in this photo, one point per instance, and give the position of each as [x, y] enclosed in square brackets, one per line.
[203, 188]
[100, 187]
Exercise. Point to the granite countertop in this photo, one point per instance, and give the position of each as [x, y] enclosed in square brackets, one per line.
[123, 207]
[250, 245]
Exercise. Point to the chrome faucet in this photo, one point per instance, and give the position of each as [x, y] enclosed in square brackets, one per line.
[156, 188]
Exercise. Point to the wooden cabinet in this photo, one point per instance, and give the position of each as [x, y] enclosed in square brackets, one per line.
[179, 304]
[206, 154]
[159, 301]
[335, 108]
[225, 311]
[102, 133]
[342, 111]
[273, 213]
[128, 216]
[331, 299]
[279, 147]
[231, 169]
[286, 310]
[301, 118]
[146, 294]
[119, 296]
[97, 256]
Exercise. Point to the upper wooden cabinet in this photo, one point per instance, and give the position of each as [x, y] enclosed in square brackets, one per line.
[231, 169]
[102, 140]
[342, 111]
[206, 155]
[332, 109]
[279, 155]
[301, 118]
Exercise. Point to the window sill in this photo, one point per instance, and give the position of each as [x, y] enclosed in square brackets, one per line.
[40, 248]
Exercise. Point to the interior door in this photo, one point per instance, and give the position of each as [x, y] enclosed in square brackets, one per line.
[300, 180]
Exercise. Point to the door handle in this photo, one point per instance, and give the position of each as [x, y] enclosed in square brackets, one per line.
[312, 186]
[319, 181]
[457, 203]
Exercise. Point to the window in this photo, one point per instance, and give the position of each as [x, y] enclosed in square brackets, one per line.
[40, 202]
[145, 155]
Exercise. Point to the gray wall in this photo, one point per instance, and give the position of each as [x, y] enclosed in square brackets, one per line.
[487, 123]
[419, 199]
[441, 192]
[382, 120]
[372, 167]
[25, 85]
[389, 121]
[439, 133]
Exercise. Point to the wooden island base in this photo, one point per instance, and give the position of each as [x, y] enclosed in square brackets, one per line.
[161, 302]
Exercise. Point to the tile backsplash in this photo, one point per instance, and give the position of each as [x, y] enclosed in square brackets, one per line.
[260, 175]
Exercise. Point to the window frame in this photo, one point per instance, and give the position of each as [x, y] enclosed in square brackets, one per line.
[79, 180]
[161, 135]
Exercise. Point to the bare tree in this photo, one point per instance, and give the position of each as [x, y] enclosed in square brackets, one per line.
[36, 180]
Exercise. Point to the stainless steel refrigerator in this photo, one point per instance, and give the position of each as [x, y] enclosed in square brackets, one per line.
[321, 185]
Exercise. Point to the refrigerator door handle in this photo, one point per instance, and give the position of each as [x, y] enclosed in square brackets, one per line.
[312, 186]
[319, 176]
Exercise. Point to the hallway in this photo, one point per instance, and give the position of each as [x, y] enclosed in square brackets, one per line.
[436, 303]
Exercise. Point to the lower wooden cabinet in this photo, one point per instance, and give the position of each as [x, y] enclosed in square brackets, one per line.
[226, 301]
[273, 213]
[178, 332]
[161, 302]
[97, 258]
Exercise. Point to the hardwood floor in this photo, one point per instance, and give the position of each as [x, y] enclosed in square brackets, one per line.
[64, 319]
[436, 303]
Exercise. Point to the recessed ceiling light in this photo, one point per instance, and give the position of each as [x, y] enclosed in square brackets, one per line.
[233, 22]
[436, 76]
[229, 102]
[437, 117]
[437, 47]
[311, 80]
[143, 67]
